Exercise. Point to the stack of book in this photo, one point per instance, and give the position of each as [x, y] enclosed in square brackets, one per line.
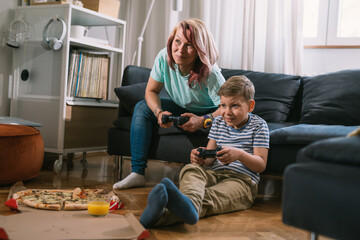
[88, 74]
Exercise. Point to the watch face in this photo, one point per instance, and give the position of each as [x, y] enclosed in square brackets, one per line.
[207, 123]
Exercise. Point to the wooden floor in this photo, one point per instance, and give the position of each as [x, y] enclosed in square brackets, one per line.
[262, 221]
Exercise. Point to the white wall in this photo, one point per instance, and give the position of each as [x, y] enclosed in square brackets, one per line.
[6, 16]
[319, 61]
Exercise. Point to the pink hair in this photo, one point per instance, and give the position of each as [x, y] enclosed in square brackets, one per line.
[202, 40]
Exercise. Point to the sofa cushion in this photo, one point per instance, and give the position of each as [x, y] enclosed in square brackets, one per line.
[308, 133]
[274, 126]
[343, 150]
[123, 122]
[134, 74]
[332, 98]
[274, 93]
[130, 95]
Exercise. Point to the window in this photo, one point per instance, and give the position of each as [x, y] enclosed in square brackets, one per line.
[331, 22]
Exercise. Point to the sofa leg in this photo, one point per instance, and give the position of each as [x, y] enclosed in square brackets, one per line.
[314, 236]
[119, 165]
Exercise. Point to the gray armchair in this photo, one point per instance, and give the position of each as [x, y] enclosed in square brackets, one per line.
[321, 192]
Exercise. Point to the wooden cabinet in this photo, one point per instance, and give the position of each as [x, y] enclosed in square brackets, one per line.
[69, 124]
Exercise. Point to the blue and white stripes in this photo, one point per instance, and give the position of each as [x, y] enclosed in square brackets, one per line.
[254, 134]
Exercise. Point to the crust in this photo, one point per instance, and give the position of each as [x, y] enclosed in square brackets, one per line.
[30, 203]
[18, 195]
[76, 193]
[53, 206]
[75, 206]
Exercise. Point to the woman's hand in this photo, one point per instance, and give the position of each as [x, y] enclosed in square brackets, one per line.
[164, 125]
[194, 159]
[194, 123]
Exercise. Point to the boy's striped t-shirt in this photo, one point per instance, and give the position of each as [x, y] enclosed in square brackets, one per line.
[255, 133]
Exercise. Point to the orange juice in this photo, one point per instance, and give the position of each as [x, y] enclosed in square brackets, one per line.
[98, 208]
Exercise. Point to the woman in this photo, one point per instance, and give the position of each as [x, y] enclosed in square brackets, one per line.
[187, 70]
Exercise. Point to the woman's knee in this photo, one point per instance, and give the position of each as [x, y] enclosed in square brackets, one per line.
[141, 107]
[142, 110]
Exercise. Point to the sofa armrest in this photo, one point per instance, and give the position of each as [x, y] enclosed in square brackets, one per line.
[340, 150]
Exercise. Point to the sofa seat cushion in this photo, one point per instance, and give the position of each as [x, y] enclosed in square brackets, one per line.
[123, 122]
[274, 126]
[308, 133]
[332, 98]
[342, 150]
[274, 93]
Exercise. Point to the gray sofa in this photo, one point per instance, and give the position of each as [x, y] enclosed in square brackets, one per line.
[321, 191]
[299, 111]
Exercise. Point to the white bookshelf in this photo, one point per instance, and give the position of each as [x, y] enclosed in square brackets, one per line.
[42, 98]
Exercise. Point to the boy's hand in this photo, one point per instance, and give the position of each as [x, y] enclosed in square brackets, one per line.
[195, 159]
[229, 154]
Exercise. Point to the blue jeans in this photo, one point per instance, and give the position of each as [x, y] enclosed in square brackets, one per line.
[142, 125]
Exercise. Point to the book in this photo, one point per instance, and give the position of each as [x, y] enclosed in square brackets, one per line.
[88, 74]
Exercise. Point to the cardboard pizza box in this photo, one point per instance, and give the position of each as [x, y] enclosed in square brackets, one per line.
[47, 224]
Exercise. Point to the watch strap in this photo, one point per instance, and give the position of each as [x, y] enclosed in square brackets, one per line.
[208, 120]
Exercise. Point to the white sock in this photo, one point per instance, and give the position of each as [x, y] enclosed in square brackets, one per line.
[132, 180]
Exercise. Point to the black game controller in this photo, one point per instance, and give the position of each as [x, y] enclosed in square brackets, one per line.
[176, 120]
[205, 153]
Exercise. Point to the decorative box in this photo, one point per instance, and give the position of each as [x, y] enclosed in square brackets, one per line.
[107, 7]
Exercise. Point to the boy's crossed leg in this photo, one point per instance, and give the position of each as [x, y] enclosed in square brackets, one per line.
[167, 195]
[157, 200]
[179, 204]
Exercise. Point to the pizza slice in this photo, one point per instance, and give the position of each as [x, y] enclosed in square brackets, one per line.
[43, 198]
[49, 203]
[21, 195]
[84, 193]
[75, 204]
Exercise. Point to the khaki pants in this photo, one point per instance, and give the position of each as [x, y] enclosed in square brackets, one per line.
[213, 192]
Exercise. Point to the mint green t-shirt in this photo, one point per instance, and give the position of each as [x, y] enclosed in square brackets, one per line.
[196, 99]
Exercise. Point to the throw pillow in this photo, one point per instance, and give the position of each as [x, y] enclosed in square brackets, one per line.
[332, 98]
[275, 94]
[130, 95]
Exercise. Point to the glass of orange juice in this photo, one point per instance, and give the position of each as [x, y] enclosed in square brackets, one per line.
[98, 205]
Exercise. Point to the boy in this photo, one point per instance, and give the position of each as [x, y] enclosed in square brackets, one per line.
[223, 184]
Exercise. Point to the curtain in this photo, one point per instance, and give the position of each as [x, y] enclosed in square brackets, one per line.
[259, 35]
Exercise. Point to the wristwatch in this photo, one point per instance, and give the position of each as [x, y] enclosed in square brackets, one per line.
[208, 120]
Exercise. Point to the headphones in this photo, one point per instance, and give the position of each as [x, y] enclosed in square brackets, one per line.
[18, 31]
[53, 43]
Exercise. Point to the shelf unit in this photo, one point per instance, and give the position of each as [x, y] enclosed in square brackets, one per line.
[69, 124]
